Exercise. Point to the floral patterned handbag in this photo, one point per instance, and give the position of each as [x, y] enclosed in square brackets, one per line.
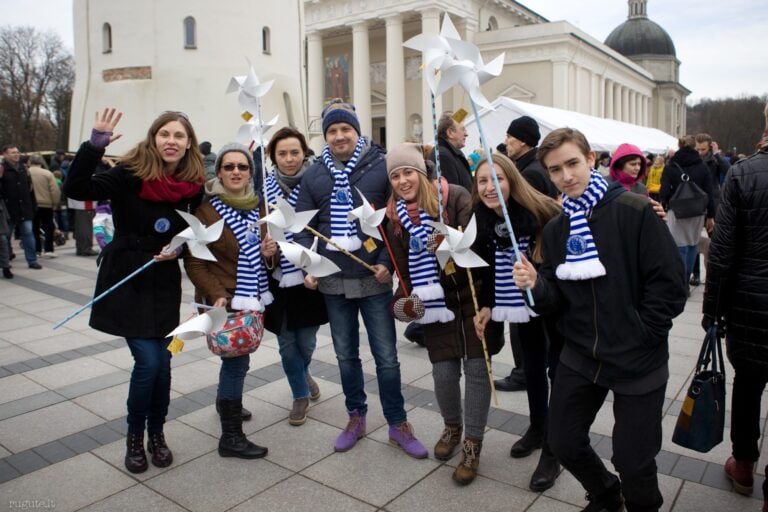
[240, 335]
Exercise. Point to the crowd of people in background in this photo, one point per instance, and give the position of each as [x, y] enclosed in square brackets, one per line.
[605, 260]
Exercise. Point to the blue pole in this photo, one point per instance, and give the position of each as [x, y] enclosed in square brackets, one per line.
[489, 157]
[107, 292]
[437, 158]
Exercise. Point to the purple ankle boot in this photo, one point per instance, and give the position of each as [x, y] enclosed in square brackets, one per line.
[354, 430]
[402, 436]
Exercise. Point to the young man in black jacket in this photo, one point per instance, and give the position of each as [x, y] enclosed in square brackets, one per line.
[614, 277]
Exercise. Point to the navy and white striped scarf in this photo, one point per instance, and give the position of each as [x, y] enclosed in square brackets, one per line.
[252, 287]
[510, 303]
[286, 273]
[581, 259]
[423, 268]
[343, 232]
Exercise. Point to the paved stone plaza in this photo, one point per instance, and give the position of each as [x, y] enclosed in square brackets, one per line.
[62, 426]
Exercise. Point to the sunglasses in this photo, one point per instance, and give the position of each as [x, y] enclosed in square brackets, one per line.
[231, 167]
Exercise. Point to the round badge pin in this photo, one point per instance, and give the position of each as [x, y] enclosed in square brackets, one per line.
[342, 196]
[162, 225]
[416, 244]
[501, 230]
[251, 237]
[577, 245]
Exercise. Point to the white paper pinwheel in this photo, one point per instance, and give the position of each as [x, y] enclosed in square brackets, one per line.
[437, 53]
[285, 218]
[307, 259]
[249, 89]
[368, 217]
[456, 245]
[201, 325]
[469, 71]
[197, 236]
[254, 129]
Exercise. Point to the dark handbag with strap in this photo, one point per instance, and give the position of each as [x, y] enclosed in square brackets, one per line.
[689, 200]
[701, 421]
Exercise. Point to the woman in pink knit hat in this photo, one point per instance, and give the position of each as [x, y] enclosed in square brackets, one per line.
[628, 167]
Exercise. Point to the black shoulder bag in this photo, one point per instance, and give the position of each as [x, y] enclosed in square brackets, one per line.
[688, 200]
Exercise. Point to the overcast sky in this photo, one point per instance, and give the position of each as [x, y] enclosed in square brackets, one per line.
[721, 44]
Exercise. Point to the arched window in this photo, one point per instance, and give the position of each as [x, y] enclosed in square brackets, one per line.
[190, 38]
[493, 24]
[106, 38]
[266, 44]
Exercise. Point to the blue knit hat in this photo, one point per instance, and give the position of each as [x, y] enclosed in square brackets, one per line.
[338, 111]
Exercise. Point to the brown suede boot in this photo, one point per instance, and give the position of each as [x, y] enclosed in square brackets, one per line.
[314, 389]
[449, 440]
[740, 473]
[466, 471]
[298, 414]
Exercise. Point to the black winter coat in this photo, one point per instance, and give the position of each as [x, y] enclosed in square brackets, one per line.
[147, 306]
[688, 161]
[616, 326]
[16, 189]
[454, 166]
[737, 272]
[370, 176]
[456, 339]
[535, 174]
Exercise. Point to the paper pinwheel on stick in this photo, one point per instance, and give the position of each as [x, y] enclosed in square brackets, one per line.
[201, 325]
[370, 219]
[250, 90]
[196, 236]
[307, 259]
[254, 129]
[284, 218]
[457, 245]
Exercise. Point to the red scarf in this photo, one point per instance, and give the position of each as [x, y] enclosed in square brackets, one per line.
[167, 190]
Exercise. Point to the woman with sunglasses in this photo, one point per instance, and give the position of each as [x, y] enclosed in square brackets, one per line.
[450, 336]
[237, 280]
[298, 309]
[161, 174]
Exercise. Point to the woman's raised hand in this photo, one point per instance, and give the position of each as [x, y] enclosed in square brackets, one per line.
[104, 126]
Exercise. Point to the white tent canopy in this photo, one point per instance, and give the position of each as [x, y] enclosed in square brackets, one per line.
[602, 134]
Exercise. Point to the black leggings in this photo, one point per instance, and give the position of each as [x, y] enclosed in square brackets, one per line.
[541, 344]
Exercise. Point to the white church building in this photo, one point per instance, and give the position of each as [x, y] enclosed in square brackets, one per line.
[145, 57]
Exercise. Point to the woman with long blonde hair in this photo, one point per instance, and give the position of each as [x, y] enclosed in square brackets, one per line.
[502, 301]
[450, 337]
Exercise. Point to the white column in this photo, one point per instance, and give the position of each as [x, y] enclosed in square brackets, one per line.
[609, 99]
[646, 120]
[315, 78]
[632, 110]
[361, 75]
[430, 24]
[639, 109]
[624, 104]
[596, 85]
[602, 84]
[395, 121]
[560, 84]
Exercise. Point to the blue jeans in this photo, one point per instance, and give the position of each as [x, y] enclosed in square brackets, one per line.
[232, 376]
[688, 253]
[150, 389]
[342, 314]
[296, 349]
[27, 240]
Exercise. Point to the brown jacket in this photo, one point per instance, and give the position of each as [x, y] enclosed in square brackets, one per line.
[451, 340]
[47, 193]
[214, 279]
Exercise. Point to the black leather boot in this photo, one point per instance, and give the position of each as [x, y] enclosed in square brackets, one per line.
[247, 415]
[233, 442]
[546, 471]
[531, 440]
[161, 454]
[135, 457]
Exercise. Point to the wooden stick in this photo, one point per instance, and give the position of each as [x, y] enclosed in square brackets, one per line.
[482, 338]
